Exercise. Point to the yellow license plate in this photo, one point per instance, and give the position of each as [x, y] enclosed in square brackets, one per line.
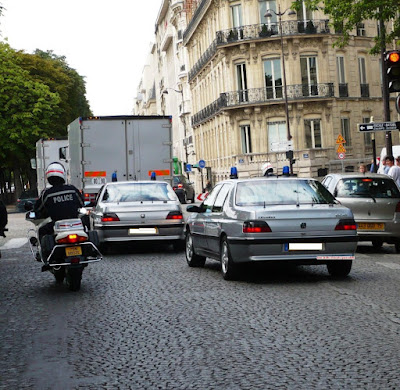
[371, 226]
[73, 251]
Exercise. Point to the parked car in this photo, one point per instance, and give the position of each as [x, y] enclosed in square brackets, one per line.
[26, 196]
[138, 211]
[183, 188]
[375, 202]
[271, 219]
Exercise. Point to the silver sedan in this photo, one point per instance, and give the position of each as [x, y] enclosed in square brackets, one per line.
[273, 219]
[138, 211]
[375, 202]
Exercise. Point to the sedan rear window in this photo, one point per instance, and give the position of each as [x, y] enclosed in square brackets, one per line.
[267, 192]
[367, 187]
[138, 192]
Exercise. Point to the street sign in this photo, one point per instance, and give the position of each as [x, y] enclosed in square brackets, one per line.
[378, 126]
[341, 156]
[340, 139]
[202, 164]
[202, 196]
[188, 168]
[341, 149]
[281, 146]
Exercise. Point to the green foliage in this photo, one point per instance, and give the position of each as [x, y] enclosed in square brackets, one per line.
[346, 14]
[39, 96]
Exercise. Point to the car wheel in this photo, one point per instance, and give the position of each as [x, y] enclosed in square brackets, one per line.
[228, 267]
[339, 268]
[377, 244]
[192, 259]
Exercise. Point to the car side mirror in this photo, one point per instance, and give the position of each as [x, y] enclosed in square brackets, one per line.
[28, 206]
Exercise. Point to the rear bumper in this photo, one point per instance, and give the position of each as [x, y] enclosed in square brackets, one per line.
[333, 249]
[121, 233]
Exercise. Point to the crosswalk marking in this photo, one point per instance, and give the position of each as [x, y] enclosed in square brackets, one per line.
[14, 243]
[390, 265]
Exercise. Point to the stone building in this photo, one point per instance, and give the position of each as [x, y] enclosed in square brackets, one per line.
[236, 52]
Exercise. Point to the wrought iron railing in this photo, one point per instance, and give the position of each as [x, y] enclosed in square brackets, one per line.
[262, 95]
[259, 31]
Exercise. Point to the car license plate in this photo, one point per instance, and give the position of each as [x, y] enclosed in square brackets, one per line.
[299, 246]
[371, 226]
[73, 251]
[143, 231]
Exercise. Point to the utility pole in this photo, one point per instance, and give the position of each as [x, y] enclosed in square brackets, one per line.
[385, 89]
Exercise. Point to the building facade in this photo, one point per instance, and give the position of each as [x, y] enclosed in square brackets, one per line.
[239, 52]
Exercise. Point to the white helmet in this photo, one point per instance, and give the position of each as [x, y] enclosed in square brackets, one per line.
[267, 168]
[55, 170]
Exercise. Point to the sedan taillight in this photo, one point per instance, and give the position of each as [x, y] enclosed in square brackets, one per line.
[346, 224]
[174, 215]
[397, 208]
[109, 217]
[72, 239]
[256, 227]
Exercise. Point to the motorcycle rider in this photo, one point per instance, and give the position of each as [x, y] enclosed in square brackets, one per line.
[60, 201]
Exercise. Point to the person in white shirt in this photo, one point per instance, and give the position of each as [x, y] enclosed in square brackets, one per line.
[383, 168]
[394, 170]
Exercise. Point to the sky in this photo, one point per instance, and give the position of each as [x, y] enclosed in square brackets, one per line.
[107, 42]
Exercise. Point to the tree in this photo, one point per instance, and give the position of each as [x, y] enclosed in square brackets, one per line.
[345, 15]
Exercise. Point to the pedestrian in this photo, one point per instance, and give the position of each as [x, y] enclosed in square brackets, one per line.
[383, 168]
[394, 170]
[372, 167]
[208, 186]
[3, 219]
[362, 168]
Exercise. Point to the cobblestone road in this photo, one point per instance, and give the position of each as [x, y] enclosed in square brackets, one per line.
[144, 320]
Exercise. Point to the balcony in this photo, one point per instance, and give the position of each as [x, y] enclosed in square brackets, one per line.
[258, 32]
[257, 96]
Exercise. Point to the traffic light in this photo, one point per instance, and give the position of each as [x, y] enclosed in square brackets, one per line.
[392, 63]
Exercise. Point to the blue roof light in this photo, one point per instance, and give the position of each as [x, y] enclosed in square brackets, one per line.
[285, 170]
[234, 173]
[153, 176]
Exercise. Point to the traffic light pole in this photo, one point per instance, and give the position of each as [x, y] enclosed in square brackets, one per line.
[385, 89]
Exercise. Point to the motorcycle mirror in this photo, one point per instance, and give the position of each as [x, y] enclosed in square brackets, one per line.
[28, 206]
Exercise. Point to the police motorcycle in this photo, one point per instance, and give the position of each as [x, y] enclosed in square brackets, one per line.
[65, 253]
[65, 245]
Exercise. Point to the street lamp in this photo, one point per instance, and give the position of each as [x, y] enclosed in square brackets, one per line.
[183, 119]
[279, 14]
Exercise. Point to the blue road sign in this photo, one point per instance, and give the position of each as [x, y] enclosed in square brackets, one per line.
[202, 163]
[188, 168]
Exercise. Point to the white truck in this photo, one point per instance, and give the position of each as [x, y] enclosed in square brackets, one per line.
[118, 148]
[49, 150]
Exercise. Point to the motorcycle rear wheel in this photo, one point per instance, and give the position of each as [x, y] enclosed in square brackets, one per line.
[73, 278]
[59, 274]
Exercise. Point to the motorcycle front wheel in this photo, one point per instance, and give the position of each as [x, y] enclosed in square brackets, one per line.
[73, 278]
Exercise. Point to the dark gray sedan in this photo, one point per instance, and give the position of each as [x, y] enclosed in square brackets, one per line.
[138, 211]
[375, 202]
[271, 219]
